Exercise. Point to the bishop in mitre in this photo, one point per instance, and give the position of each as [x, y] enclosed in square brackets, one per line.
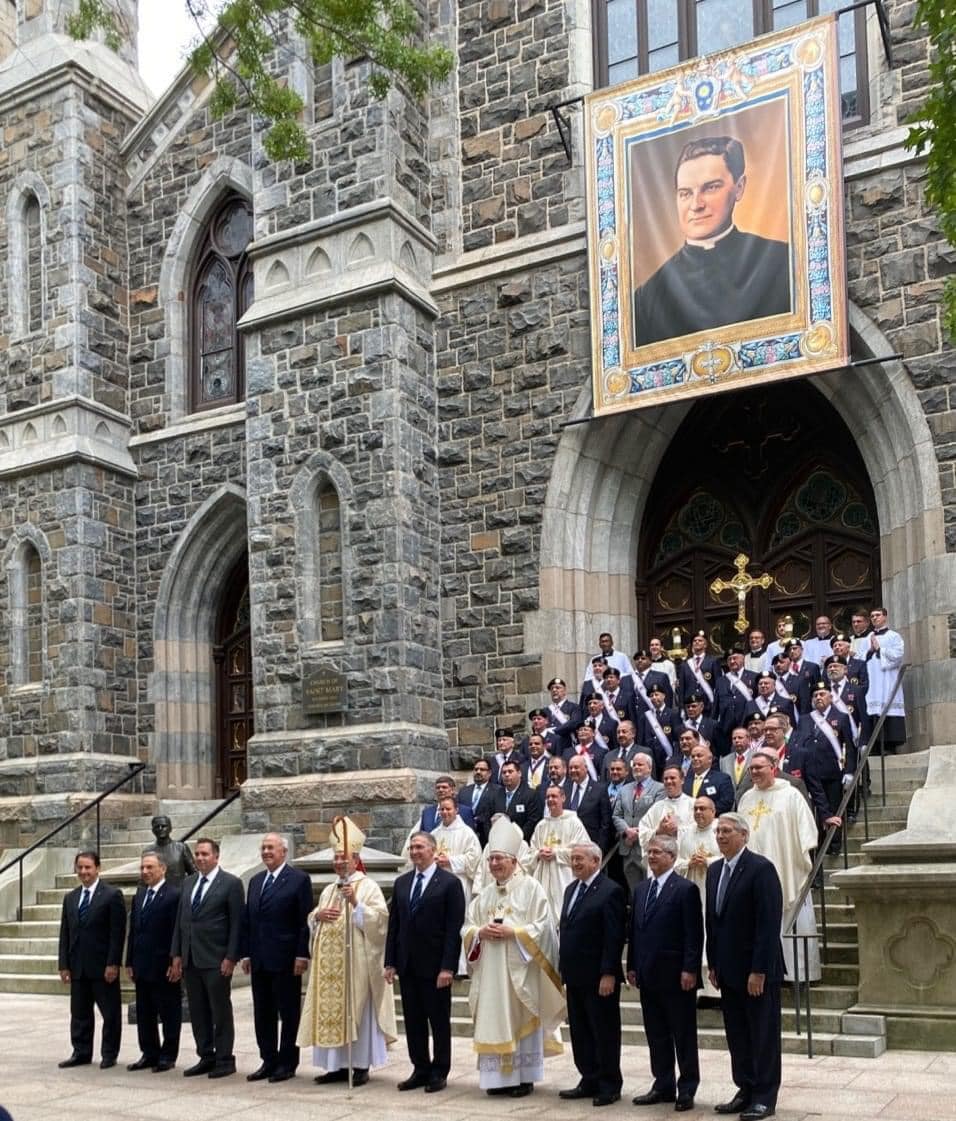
[696, 851]
[347, 1000]
[672, 814]
[783, 829]
[516, 996]
[551, 842]
[483, 876]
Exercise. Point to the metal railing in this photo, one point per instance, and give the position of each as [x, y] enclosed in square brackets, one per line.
[227, 801]
[134, 770]
[814, 879]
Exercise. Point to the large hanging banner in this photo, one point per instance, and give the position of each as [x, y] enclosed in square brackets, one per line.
[715, 222]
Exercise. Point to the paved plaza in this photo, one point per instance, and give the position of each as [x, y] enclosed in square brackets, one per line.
[899, 1086]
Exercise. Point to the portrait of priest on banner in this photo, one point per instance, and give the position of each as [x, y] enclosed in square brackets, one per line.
[718, 273]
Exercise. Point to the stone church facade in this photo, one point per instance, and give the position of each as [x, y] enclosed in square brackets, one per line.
[259, 421]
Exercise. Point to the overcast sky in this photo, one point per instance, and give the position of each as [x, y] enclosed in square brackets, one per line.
[165, 32]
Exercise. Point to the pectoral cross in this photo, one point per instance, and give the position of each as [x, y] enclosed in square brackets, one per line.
[760, 810]
[741, 583]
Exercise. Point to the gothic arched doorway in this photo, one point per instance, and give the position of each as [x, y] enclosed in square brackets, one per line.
[774, 474]
[232, 654]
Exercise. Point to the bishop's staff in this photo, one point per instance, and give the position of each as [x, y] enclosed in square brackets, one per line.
[340, 823]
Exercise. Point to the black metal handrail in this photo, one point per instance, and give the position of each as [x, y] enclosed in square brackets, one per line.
[815, 875]
[134, 770]
[227, 801]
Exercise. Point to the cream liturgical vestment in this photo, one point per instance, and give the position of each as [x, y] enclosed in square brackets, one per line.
[699, 842]
[323, 1024]
[681, 807]
[783, 829]
[559, 834]
[483, 876]
[516, 995]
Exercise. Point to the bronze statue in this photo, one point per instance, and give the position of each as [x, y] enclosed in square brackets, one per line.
[176, 854]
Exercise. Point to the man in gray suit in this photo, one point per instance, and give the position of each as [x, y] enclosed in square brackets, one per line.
[205, 951]
[632, 804]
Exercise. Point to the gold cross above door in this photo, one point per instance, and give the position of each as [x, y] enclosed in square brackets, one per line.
[741, 583]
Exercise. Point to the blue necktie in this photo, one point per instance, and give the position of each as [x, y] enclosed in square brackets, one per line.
[651, 902]
[722, 887]
[575, 798]
[150, 895]
[416, 892]
[266, 886]
[197, 899]
[84, 904]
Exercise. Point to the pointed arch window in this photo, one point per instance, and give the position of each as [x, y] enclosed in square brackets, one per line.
[33, 261]
[221, 293]
[26, 604]
[328, 529]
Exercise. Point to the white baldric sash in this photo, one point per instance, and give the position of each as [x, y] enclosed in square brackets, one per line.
[764, 703]
[598, 738]
[639, 688]
[658, 730]
[555, 710]
[588, 761]
[610, 709]
[824, 726]
[841, 706]
[695, 669]
[781, 688]
[740, 686]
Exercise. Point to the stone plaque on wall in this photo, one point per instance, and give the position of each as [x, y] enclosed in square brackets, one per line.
[323, 690]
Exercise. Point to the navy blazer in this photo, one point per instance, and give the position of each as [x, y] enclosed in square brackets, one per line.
[594, 811]
[87, 948]
[687, 683]
[430, 819]
[149, 946]
[214, 933]
[275, 930]
[716, 785]
[592, 936]
[424, 944]
[745, 937]
[670, 940]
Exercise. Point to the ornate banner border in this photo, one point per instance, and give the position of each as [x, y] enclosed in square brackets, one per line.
[800, 65]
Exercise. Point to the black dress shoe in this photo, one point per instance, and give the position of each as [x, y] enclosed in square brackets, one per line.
[74, 1061]
[259, 1075]
[281, 1075]
[163, 1065]
[757, 1113]
[577, 1092]
[142, 1064]
[652, 1097]
[359, 1076]
[106, 1064]
[435, 1085]
[223, 1070]
[333, 1076]
[684, 1103]
[204, 1066]
[606, 1099]
[416, 1082]
[522, 1090]
[499, 1091]
[737, 1104]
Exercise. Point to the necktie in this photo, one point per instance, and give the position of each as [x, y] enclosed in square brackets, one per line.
[84, 904]
[150, 895]
[508, 798]
[698, 779]
[739, 767]
[638, 790]
[266, 885]
[476, 797]
[416, 892]
[697, 662]
[197, 898]
[575, 798]
[722, 887]
[582, 888]
[651, 901]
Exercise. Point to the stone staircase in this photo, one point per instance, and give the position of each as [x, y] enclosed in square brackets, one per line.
[835, 1032]
[28, 949]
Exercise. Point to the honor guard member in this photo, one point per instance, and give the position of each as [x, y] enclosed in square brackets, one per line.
[561, 709]
[830, 759]
[592, 679]
[855, 667]
[771, 696]
[796, 689]
[696, 721]
[658, 729]
[619, 695]
[699, 673]
[806, 670]
[646, 675]
[602, 729]
[735, 690]
[540, 720]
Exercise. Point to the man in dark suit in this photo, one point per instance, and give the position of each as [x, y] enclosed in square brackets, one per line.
[694, 719]
[704, 778]
[589, 961]
[744, 913]
[275, 949]
[522, 804]
[92, 928]
[561, 709]
[425, 918]
[444, 788]
[698, 674]
[826, 739]
[645, 678]
[663, 961]
[482, 799]
[589, 800]
[658, 729]
[733, 692]
[206, 947]
[148, 963]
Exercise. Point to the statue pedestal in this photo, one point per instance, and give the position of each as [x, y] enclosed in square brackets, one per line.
[905, 903]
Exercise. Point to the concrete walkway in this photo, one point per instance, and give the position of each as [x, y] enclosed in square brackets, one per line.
[34, 1036]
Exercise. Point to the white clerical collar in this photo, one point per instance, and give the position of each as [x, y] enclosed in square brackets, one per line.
[710, 242]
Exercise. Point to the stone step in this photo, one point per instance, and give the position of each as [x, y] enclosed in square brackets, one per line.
[31, 930]
[842, 953]
[28, 963]
[841, 974]
[858, 1046]
[40, 985]
[49, 912]
[24, 945]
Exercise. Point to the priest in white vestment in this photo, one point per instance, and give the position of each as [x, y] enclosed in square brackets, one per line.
[516, 996]
[330, 1020]
[783, 829]
[674, 812]
[483, 876]
[551, 842]
[696, 851]
[884, 651]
